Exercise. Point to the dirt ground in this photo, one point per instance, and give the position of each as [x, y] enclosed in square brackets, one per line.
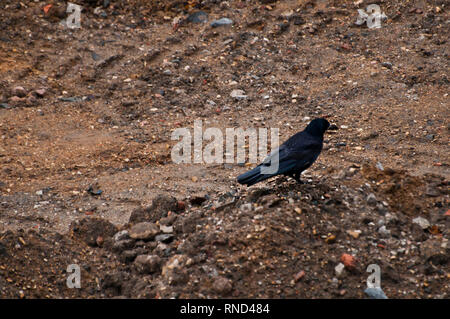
[86, 117]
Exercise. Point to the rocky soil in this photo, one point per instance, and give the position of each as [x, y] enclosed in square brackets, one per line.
[86, 176]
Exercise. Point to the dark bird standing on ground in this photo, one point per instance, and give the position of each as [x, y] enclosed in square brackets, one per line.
[294, 156]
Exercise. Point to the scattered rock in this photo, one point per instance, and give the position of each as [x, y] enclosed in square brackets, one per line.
[238, 94]
[339, 269]
[147, 264]
[144, 230]
[19, 91]
[422, 222]
[222, 286]
[166, 229]
[121, 235]
[174, 271]
[164, 238]
[221, 22]
[354, 233]
[349, 261]
[197, 17]
[384, 232]
[371, 199]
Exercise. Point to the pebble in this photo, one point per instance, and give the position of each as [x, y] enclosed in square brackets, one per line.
[354, 233]
[164, 238]
[40, 92]
[221, 22]
[384, 232]
[121, 235]
[387, 65]
[348, 260]
[371, 199]
[166, 229]
[144, 230]
[339, 269]
[147, 263]
[19, 91]
[238, 94]
[197, 17]
[222, 285]
[422, 222]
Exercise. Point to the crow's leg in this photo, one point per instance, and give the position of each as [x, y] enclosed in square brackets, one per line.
[297, 177]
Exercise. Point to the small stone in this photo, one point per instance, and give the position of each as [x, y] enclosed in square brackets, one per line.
[384, 232]
[246, 207]
[432, 191]
[387, 65]
[238, 94]
[164, 238]
[371, 199]
[144, 230]
[147, 264]
[339, 269]
[348, 260]
[299, 275]
[40, 92]
[221, 22]
[197, 17]
[222, 286]
[19, 91]
[422, 222]
[122, 235]
[166, 229]
[354, 233]
[174, 271]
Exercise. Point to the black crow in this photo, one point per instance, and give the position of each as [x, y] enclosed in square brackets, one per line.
[294, 156]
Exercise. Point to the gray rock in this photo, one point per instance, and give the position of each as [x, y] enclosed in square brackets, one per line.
[197, 17]
[164, 238]
[339, 269]
[238, 94]
[221, 22]
[166, 229]
[144, 230]
[384, 232]
[371, 199]
[123, 234]
[422, 222]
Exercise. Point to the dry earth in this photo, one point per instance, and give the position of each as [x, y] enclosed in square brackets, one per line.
[94, 108]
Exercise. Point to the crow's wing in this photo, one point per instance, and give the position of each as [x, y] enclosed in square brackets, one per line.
[297, 153]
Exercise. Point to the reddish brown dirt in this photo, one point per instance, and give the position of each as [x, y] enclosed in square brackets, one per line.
[136, 77]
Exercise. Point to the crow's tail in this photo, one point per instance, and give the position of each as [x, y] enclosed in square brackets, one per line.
[253, 176]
